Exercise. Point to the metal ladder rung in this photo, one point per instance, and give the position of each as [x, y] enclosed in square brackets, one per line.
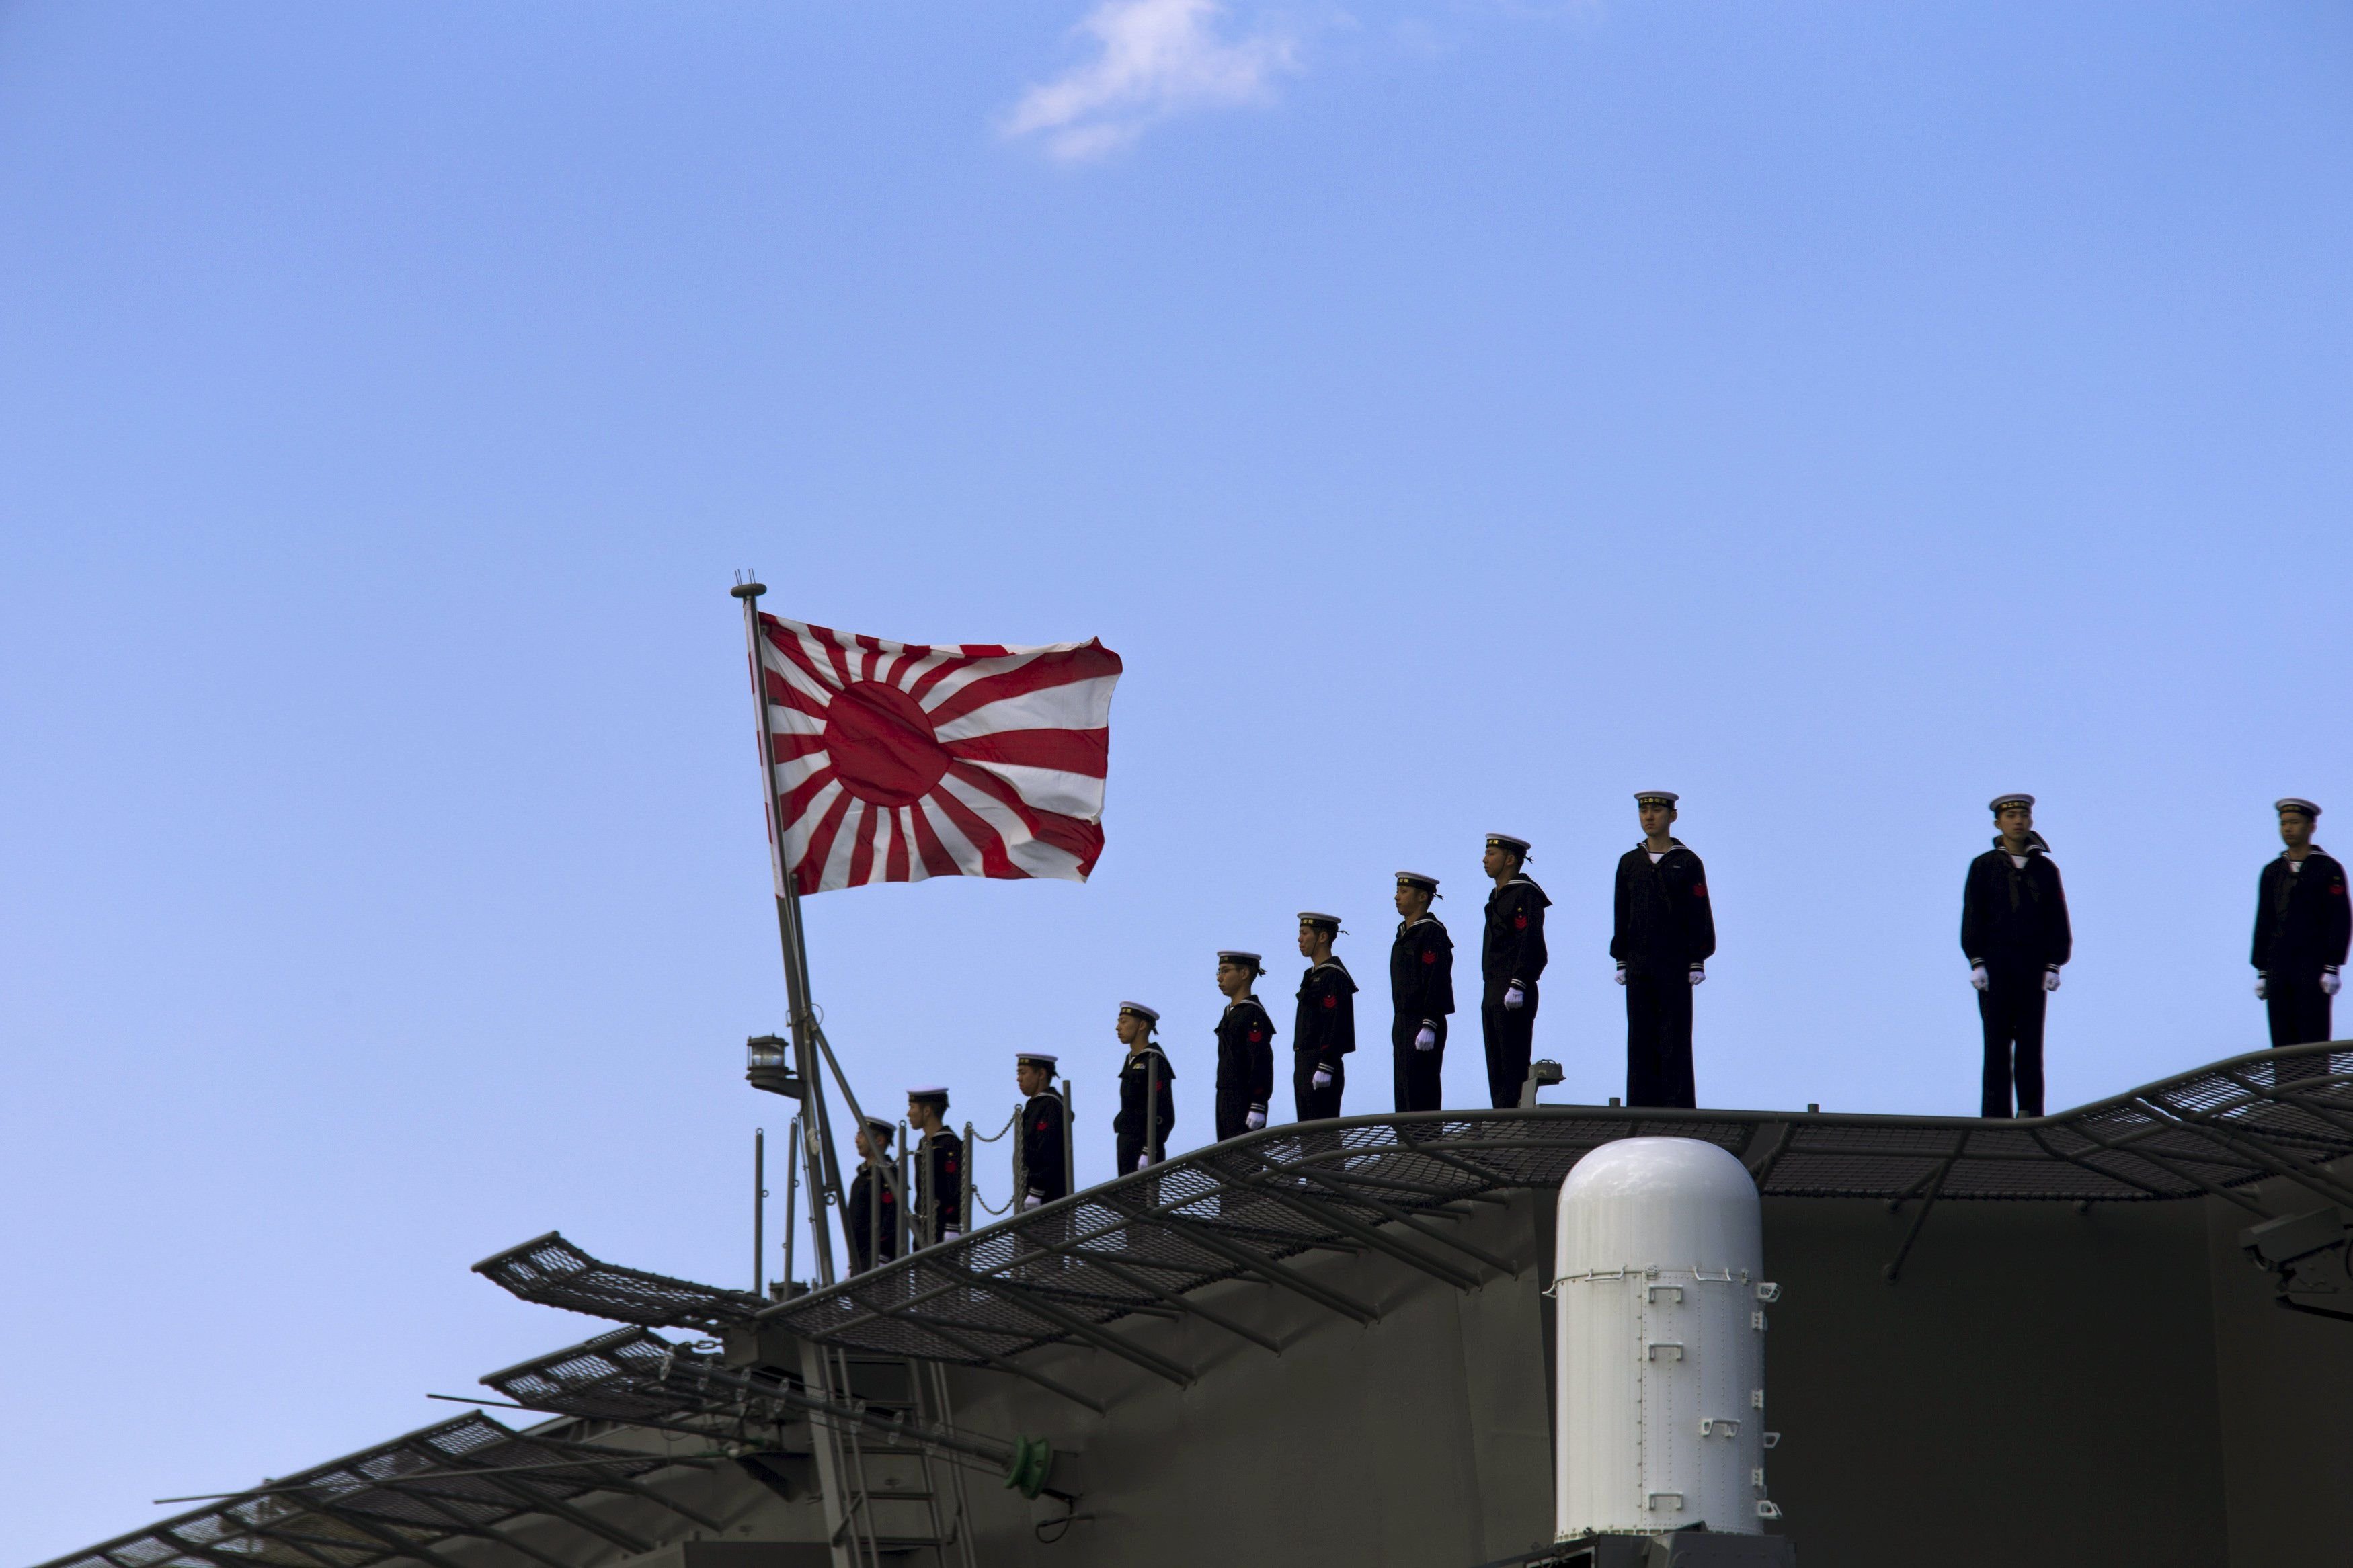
[844, 1457]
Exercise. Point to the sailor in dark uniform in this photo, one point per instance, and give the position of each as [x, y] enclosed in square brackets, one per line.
[1044, 1177]
[1511, 959]
[939, 1169]
[2302, 924]
[1664, 936]
[2015, 931]
[1245, 1047]
[1147, 1110]
[1325, 1030]
[1421, 992]
[872, 1227]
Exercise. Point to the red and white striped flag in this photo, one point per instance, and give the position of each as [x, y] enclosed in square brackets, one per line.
[895, 762]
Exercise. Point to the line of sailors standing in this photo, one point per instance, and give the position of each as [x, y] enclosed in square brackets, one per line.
[871, 1218]
[2017, 937]
[2014, 931]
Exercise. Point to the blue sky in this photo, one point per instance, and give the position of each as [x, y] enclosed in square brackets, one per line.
[1459, 415]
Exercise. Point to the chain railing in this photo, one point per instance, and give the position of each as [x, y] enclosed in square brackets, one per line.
[972, 1165]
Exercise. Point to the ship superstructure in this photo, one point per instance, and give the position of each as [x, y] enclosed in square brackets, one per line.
[2055, 1341]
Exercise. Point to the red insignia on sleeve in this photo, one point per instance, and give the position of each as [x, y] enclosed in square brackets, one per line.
[1041, 1127]
[1331, 1001]
[1430, 958]
[1256, 1036]
[1521, 921]
[1699, 890]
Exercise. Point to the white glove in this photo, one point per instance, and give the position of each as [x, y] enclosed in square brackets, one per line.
[1977, 976]
[1515, 999]
[1698, 975]
[2329, 982]
[1143, 1160]
[948, 1236]
[2262, 986]
[1032, 1200]
[1621, 974]
[2051, 980]
[1254, 1121]
[1323, 1079]
[1427, 1039]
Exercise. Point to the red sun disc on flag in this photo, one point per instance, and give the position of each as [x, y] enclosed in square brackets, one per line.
[894, 761]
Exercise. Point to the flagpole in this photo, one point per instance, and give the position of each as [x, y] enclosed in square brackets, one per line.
[817, 1145]
[788, 903]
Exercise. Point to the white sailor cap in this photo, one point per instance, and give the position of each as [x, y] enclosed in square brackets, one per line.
[1319, 920]
[1236, 955]
[2291, 802]
[1149, 1014]
[1504, 841]
[880, 1129]
[2001, 801]
[930, 1091]
[1035, 1059]
[1666, 798]
[1422, 879]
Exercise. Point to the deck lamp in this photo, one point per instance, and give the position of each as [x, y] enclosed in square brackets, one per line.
[767, 1064]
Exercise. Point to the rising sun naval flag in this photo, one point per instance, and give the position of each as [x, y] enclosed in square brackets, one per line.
[894, 761]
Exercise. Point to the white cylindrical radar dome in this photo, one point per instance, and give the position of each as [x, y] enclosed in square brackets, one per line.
[1660, 1300]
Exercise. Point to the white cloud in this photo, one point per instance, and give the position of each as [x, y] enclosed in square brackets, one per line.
[1152, 58]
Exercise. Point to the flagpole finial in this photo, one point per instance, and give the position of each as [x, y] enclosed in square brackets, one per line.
[748, 590]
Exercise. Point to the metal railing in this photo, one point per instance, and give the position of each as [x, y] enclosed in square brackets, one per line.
[1144, 1244]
